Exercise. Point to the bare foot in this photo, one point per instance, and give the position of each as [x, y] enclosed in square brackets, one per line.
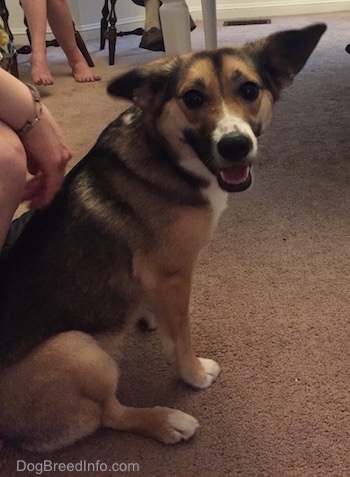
[41, 74]
[83, 73]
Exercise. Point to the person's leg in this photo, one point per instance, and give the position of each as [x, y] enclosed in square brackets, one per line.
[60, 20]
[35, 13]
[13, 170]
[152, 14]
[152, 38]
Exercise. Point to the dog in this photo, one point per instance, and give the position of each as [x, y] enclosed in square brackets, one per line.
[121, 239]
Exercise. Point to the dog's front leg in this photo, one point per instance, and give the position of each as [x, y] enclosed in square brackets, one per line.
[171, 306]
[169, 289]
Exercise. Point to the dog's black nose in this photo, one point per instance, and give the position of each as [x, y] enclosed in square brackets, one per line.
[234, 146]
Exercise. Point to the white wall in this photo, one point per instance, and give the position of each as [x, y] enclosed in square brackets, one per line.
[87, 13]
[231, 9]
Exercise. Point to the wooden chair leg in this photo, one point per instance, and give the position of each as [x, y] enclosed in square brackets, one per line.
[112, 32]
[82, 47]
[104, 25]
[109, 30]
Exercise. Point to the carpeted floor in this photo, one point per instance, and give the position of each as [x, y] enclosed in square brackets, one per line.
[271, 300]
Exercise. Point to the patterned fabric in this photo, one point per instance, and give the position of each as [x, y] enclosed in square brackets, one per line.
[7, 49]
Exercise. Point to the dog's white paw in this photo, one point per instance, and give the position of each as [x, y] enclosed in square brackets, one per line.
[203, 374]
[179, 427]
[211, 369]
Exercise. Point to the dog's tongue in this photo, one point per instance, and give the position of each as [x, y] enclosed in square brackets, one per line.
[235, 174]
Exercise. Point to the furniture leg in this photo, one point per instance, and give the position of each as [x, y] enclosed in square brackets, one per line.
[104, 25]
[209, 23]
[112, 32]
[82, 47]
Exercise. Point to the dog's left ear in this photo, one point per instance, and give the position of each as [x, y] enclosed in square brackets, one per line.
[148, 85]
[283, 54]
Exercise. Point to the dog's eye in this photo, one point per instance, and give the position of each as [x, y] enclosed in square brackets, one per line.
[249, 91]
[193, 99]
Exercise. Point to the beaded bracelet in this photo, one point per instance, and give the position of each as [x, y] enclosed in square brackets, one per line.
[39, 111]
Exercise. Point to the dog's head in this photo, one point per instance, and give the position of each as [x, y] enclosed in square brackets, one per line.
[213, 105]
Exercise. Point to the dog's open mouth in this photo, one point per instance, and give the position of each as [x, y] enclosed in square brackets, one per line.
[235, 178]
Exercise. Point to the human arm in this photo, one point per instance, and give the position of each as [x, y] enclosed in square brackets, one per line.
[45, 145]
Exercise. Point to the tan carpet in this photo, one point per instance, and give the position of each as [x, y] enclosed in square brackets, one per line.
[271, 296]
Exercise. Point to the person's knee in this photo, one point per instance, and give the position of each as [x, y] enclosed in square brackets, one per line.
[13, 172]
[13, 159]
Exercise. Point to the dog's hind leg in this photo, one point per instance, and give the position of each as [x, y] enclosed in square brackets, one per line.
[55, 396]
[98, 378]
[164, 424]
[65, 390]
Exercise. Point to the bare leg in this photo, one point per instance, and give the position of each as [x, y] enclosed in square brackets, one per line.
[58, 14]
[36, 13]
[60, 20]
[12, 177]
[152, 14]
[152, 38]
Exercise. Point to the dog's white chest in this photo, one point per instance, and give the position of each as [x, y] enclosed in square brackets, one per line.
[218, 201]
[213, 193]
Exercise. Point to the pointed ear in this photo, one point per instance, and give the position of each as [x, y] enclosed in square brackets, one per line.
[283, 54]
[148, 85]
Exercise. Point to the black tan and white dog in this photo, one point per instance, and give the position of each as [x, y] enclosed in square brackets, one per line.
[122, 237]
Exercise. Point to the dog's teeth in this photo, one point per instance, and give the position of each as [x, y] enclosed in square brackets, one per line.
[235, 175]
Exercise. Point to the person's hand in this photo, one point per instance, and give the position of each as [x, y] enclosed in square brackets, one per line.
[47, 156]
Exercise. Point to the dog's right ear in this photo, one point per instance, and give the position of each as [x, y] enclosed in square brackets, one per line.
[149, 85]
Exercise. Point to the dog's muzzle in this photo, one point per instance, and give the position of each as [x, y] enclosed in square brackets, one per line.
[234, 166]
